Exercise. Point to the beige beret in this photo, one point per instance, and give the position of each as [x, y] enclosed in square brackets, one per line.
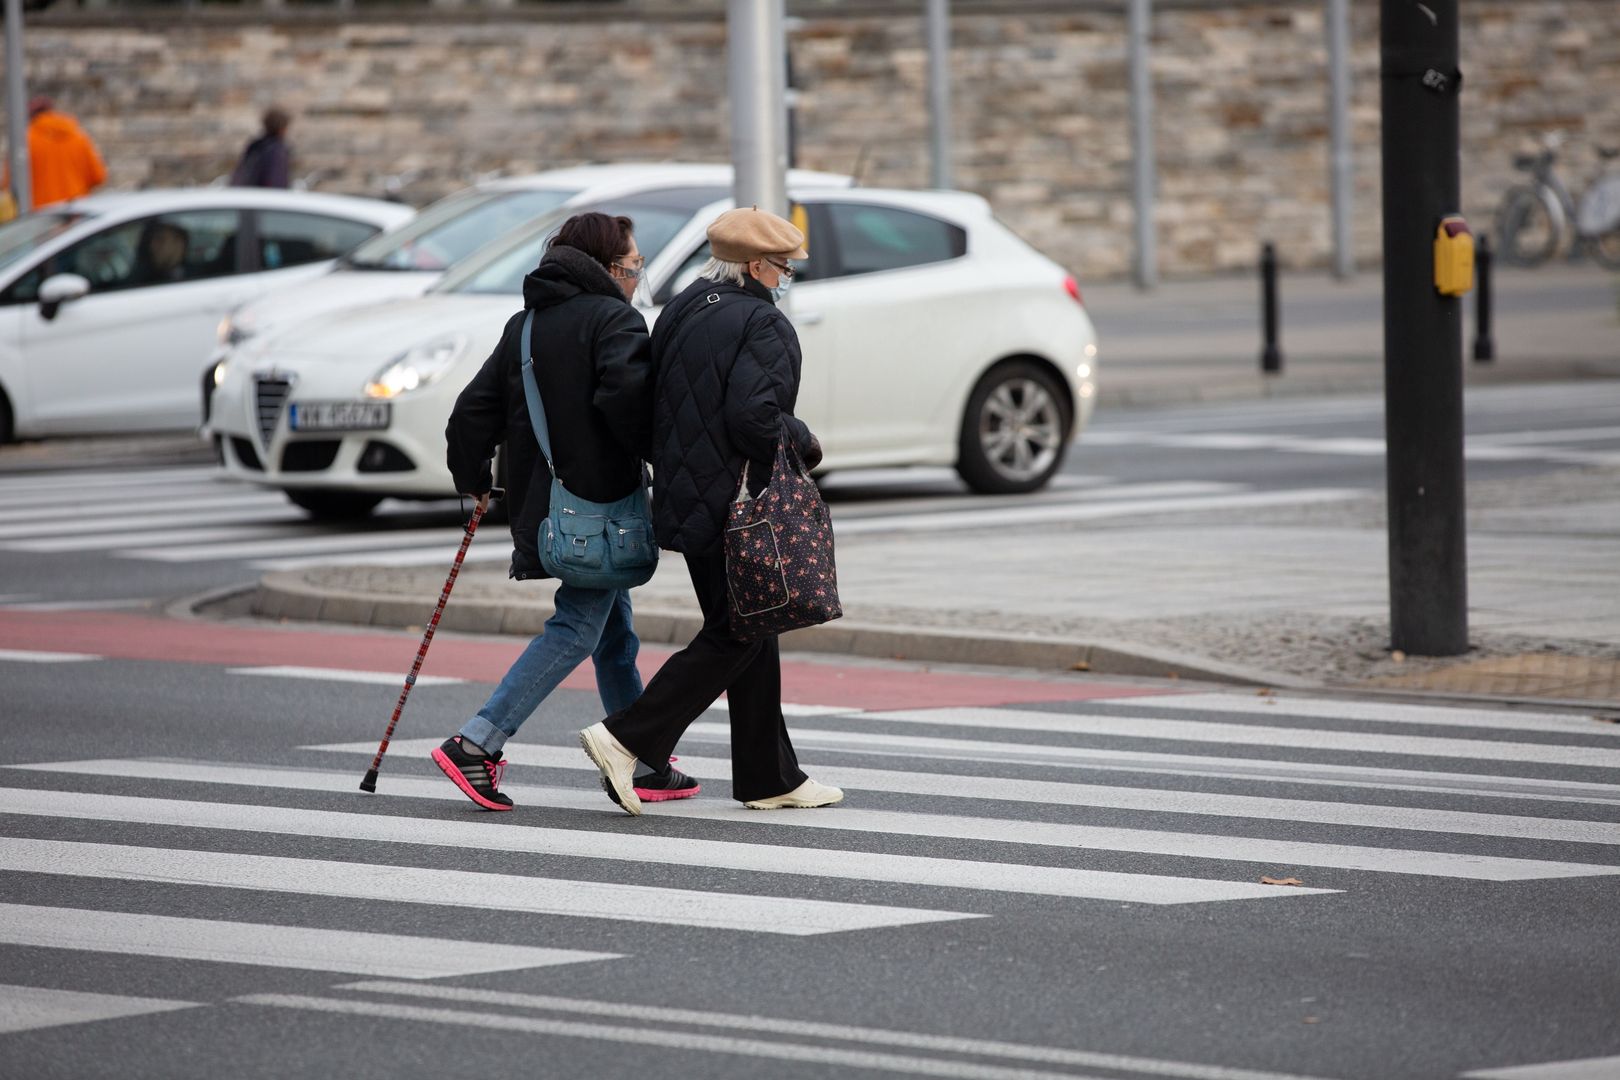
[741, 235]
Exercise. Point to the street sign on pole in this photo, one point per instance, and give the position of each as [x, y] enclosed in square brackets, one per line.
[1428, 574]
[17, 110]
[1338, 42]
[939, 92]
[1142, 178]
[756, 47]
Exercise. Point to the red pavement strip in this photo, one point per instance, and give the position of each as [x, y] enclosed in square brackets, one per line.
[139, 637]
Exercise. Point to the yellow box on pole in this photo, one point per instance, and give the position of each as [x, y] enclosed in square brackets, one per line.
[1453, 257]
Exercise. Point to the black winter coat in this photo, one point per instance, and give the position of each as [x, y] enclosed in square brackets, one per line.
[592, 364]
[726, 377]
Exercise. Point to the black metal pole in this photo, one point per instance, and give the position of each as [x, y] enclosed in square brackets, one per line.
[1428, 575]
[1271, 359]
[1484, 342]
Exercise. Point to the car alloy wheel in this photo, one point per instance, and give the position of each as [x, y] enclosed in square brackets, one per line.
[1015, 431]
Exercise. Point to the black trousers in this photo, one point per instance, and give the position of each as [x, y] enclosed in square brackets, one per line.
[763, 763]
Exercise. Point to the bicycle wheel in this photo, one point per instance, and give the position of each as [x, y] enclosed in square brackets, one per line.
[1599, 221]
[1526, 233]
[1605, 248]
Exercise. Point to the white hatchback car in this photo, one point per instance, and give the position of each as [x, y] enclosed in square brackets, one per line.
[932, 336]
[108, 303]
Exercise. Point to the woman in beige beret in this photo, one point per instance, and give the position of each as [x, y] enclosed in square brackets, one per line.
[726, 377]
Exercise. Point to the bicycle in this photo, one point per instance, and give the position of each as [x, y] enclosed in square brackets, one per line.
[1534, 218]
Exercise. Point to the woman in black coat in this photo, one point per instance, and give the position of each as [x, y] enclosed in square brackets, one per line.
[727, 378]
[591, 364]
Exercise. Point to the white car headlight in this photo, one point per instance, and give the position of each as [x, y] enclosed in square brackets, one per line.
[417, 367]
[219, 371]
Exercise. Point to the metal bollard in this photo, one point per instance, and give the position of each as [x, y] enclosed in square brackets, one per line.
[1484, 343]
[1271, 359]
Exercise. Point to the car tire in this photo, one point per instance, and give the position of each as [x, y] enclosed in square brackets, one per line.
[1015, 429]
[334, 505]
[8, 427]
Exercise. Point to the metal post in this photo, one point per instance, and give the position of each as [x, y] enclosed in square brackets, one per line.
[1142, 182]
[1271, 359]
[1484, 342]
[1419, 83]
[756, 67]
[1338, 42]
[939, 92]
[22, 177]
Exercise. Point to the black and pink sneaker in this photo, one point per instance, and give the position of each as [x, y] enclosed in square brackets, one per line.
[478, 775]
[663, 786]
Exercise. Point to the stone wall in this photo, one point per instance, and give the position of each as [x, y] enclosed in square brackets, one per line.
[1040, 101]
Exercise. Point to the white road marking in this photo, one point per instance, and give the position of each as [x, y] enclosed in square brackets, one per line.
[658, 850]
[1036, 515]
[910, 1040]
[251, 549]
[120, 501]
[1585, 1069]
[886, 822]
[1141, 761]
[1356, 742]
[834, 1059]
[494, 551]
[458, 888]
[189, 478]
[1060, 793]
[24, 1008]
[203, 515]
[379, 678]
[1473, 449]
[81, 605]
[263, 945]
[1388, 712]
[148, 538]
[24, 656]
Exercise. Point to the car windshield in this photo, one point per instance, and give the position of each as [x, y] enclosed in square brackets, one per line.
[27, 234]
[455, 227]
[658, 216]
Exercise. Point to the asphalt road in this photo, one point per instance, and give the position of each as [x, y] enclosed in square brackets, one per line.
[1031, 876]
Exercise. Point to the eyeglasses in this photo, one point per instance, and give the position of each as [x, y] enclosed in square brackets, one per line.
[632, 266]
[784, 269]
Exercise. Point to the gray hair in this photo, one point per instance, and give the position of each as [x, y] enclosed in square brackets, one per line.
[720, 270]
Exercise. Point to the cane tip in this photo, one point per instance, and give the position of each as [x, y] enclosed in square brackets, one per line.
[370, 782]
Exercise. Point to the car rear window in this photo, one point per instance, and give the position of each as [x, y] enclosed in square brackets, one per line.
[868, 239]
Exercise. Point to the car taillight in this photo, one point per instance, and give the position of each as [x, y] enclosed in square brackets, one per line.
[1072, 287]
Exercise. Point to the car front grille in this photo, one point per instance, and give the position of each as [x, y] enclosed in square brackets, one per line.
[270, 397]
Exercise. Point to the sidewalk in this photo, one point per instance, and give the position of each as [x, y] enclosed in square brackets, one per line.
[1292, 596]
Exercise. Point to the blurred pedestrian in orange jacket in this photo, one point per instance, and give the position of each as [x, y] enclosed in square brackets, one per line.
[63, 161]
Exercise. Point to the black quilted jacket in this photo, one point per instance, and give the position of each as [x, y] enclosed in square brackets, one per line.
[726, 377]
[592, 363]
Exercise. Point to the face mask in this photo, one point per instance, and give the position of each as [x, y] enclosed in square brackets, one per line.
[779, 290]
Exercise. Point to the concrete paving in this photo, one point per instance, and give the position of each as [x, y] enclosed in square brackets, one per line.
[1290, 596]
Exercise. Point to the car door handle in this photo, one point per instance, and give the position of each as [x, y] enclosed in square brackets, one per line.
[808, 318]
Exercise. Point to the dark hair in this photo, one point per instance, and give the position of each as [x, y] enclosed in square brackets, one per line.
[276, 120]
[603, 237]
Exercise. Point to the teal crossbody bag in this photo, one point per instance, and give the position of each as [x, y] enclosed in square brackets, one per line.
[588, 544]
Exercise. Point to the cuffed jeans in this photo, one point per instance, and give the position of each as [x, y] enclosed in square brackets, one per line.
[763, 763]
[587, 622]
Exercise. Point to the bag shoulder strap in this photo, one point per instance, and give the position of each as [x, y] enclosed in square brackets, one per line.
[531, 392]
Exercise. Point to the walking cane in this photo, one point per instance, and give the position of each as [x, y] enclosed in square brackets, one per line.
[370, 781]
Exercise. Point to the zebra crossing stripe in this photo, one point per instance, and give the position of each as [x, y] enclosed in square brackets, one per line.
[200, 513]
[1141, 761]
[1360, 742]
[1273, 853]
[1385, 712]
[263, 945]
[249, 549]
[152, 537]
[26, 656]
[458, 888]
[24, 1008]
[376, 678]
[659, 850]
[1584, 1069]
[810, 1029]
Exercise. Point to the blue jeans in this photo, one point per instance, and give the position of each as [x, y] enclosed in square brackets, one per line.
[588, 622]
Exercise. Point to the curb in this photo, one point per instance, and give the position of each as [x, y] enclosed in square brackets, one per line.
[285, 595]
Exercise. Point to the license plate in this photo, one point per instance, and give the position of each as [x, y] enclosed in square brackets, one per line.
[338, 415]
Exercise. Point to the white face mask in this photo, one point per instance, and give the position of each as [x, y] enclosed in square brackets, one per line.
[780, 289]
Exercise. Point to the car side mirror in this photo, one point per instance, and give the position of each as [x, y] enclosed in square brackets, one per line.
[60, 289]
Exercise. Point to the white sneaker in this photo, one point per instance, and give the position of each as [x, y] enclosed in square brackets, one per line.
[806, 795]
[617, 764]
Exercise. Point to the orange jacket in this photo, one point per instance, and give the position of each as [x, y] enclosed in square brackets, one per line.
[64, 161]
